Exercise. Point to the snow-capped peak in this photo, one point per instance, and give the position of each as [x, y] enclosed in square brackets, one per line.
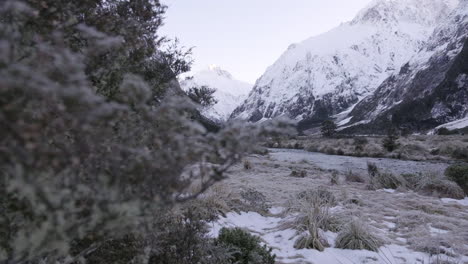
[230, 92]
[215, 69]
[326, 74]
[427, 12]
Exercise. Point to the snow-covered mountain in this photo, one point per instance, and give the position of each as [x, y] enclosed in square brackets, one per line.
[431, 89]
[330, 73]
[230, 93]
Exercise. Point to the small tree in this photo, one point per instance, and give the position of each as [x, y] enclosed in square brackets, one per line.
[328, 128]
[390, 142]
[202, 95]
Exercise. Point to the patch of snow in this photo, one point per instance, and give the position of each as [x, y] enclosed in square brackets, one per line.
[462, 202]
[282, 242]
[457, 124]
[345, 121]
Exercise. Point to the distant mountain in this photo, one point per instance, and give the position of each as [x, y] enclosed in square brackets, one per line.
[327, 75]
[229, 94]
[430, 90]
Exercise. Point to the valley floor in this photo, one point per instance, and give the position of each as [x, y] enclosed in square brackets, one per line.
[414, 228]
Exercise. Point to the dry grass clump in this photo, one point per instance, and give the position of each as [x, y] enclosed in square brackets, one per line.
[317, 197]
[298, 173]
[356, 235]
[310, 222]
[251, 200]
[247, 165]
[439, 186]
[410, 220]
[434, 245]
[216, 202]
[351, 176]
[387, 181]
[313, 217]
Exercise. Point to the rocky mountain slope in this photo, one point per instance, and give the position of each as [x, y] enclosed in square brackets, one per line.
[330, 73]
[428, 91]
[229, 94]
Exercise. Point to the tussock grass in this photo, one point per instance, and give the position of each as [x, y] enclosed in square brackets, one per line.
[386, 180]
[439, 186]
[313, 217]
[351, 176]
[356, 235]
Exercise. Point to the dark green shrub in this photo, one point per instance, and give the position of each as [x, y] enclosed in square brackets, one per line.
[390, 142]
[460, 153]
[372, 169]
[246, 247]
[184, 240]
[360, 141]
[459, 174]
[443, 131]
[328, 128]
[298, 174]
[119, 251]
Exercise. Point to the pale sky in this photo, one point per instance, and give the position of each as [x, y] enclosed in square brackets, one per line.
[244, 37]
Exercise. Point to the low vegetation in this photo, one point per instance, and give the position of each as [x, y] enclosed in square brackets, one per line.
[245, 248]
[356, 235]
[433, 147]
[459, 174]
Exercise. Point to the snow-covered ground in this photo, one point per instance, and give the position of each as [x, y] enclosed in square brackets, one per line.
[282, 242]
[410, 224]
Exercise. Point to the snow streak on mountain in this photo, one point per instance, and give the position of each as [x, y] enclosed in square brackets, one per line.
[330, 73]
[430, 90]
[230, 93]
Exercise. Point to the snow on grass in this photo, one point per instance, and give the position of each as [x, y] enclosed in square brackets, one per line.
[282, 242]
[462, 202]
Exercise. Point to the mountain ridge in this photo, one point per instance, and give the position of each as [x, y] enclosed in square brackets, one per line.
[330, 73]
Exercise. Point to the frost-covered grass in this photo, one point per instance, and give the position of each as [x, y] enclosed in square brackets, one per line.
[311, 218]
[420, 147]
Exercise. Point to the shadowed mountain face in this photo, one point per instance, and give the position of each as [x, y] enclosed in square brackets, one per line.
[329, 73]
[430, 90]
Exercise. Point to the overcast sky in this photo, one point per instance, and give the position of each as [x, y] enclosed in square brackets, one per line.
[244, 37]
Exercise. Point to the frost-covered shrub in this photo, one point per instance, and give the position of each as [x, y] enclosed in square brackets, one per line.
[356, 235]
[94, 139]
[246, 248]
[253, 200]
[459, 174]
[183, 240]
